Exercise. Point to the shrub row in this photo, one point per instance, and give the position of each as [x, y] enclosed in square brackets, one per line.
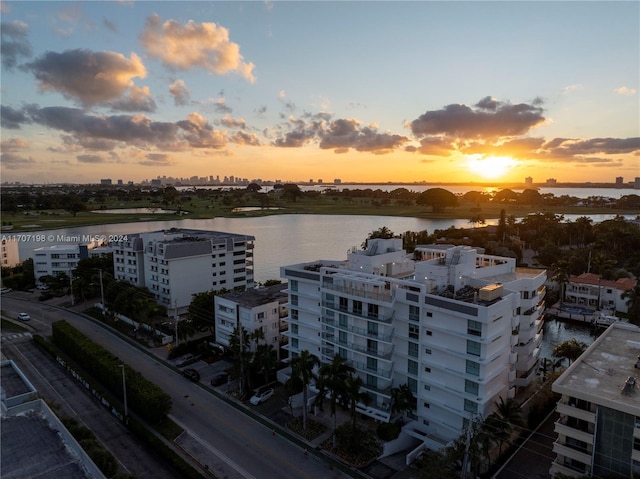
[143, 397]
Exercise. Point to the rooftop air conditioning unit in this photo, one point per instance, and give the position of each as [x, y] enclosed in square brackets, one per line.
[490, 292]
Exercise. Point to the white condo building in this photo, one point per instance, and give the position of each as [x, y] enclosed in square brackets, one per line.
[177, 263]
[461, 328]
[599, 412]
[255, 309]
[63, 258]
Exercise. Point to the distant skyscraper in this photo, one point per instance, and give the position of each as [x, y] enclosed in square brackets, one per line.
[551, 181]
[105, 182]
[636, 183]
[528, 181]
[619, 182]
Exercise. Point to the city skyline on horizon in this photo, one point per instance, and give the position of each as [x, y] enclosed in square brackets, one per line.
[368, 92]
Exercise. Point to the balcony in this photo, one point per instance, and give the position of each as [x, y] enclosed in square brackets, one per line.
[359, 331]
[566, 410]
[563, 429]
[360, 292]
[383, 373]
[579, 455]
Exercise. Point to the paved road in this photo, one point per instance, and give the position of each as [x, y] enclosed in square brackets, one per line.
[67, 397]
[232, 444]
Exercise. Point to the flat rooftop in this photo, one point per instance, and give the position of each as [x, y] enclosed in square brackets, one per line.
[251, 298]
[32, 448]
[600, 374]
[12, 383]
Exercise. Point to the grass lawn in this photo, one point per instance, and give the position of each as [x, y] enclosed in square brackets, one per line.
[209, 207]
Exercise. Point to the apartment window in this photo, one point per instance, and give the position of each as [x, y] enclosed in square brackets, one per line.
[342, 320]
[427, 351]
[474, 328]
[261, 315]
[294, 314]
[470, 406]
[429, 333]
[473, 348]
[372, 381]
[413, 385]
[426, 405]
[372, 328]
[293, 285]
[427, 369]
[343, 304]
[357, 307]
[471, 387]
[427, 387]
[294, 343]
[414, 331]
[412, 367]
[293, 328]
[342, 335]
[372, 310]
[372, 346]
[473, 368]
[429, 314]
[294, 299]
[414, 313]
[412, 349]
[372, 363]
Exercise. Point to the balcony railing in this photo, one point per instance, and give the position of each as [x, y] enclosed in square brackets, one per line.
[384, 296]
[384, 373]
[359, 331]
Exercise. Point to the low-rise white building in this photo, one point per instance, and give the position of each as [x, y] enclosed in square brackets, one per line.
[178, 263]
[63, 258]
[461, 328]
[254, 309]
[10, 252]
[590, 289]
[598, 432]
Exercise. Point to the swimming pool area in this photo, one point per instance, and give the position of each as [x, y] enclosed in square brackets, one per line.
[576, 309]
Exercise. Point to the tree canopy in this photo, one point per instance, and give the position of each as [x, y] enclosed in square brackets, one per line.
[437, 198]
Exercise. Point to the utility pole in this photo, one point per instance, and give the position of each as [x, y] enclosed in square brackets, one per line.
[467, 445]
[175, 316]
[124, 394]
[104, 307]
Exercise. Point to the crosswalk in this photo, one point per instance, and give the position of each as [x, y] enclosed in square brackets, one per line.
[16, 336]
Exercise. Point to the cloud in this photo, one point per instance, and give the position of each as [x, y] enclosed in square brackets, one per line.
[14, 43]
[203, 45]
[90, 159]
[489, 118]
[11, 118]
[200, 134]
[137, 99]
[181, 94]
[243, 138]
[608, 146]
[233, 122]
[14, 161]
[343, 134]
[14, 144]
[623, 90]
[570, 88]
[434, 146]
[339, 135]
[281, 95]
[157, 159]
[218, 105]
[90, 77]
[109, 24]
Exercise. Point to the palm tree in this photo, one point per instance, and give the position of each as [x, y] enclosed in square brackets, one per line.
[332, 381]
[265, 359]
[402, 399]
[632, 297]
[302, 367]
[571, 349]
[354, 396]
[507, 414]
[561, 275]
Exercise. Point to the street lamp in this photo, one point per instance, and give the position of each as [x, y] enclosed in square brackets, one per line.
[124, 393]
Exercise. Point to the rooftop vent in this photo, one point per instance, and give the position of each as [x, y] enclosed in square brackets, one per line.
[490, 292]
[629, 385]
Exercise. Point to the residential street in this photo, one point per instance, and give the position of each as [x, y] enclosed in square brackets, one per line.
[223, 439]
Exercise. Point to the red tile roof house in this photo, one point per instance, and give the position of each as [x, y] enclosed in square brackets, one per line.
[590, 290]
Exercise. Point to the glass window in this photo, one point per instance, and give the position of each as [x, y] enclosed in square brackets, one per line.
[293, 285]
[470, 406]
[294, 299]
[414, 331]
[372, 310]
[357, 307]
[471, 387]
[413, 385]
[473, 368]
[473, 348]
[294, 314]
[412, 367]
[293, 328]
[414, 313]
[413, 349]
[474, 328]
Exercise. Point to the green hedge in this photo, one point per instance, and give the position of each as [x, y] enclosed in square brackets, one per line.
[143, 397]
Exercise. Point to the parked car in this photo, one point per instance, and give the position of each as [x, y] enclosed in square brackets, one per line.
[191, 374]
[186, 360]
[219, 379]
[24, 317]
[261, 396]
[5, 290]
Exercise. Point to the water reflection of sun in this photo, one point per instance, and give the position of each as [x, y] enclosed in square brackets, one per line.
[490, 166]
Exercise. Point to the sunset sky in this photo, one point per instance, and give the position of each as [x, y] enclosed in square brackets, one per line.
[366, 91]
